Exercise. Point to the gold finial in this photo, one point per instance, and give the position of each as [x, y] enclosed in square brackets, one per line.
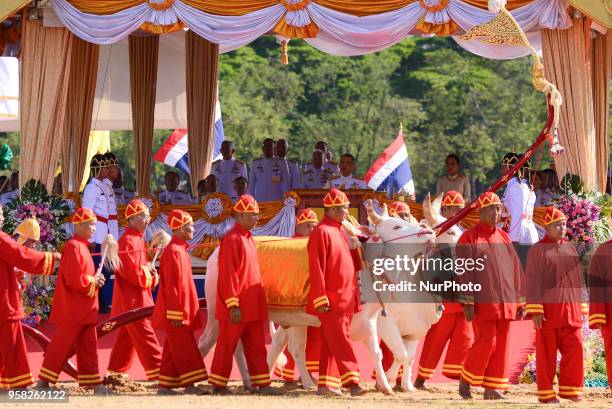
[401, 127]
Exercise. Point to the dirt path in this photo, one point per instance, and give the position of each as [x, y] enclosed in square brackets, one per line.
[142, 396]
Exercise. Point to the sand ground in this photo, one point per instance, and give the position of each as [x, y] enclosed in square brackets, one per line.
[142, 395]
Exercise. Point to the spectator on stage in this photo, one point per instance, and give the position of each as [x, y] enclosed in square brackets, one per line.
[206, 186]
[281, 148]
[171, 195]
[327, 162]
[13, 192]
[122, 195]
[240, 187]
[270, 178]
[316, 175]
[346, 180]
[57, 188]
[228, 168]
[552, 181]
[453, 180]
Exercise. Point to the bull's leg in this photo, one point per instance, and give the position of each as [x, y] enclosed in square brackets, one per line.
[411, 346]
[242, 366]
[209, 337]
[370, 340]
[297, 349]
[391, 336]
[275, 353]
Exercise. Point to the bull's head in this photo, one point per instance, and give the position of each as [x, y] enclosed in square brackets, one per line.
[397, 231]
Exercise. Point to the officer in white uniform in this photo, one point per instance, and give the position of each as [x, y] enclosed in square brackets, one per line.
[317, 175]
[171, 195]
[99, 196]
[270, 178]
[228, 168]
[519, 201]
[346, 180]
[328, 164]
[281, 148]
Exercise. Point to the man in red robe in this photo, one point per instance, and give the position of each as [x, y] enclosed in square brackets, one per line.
[334, 297]
[305, 222]
[600, 299]
[554, 292]
[495, 306]
[75, 309]
[452, 328]
[14, 368]
[134, 282]
[177, 312]
[241, 303]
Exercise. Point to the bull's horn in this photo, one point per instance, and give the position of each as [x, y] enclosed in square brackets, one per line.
[428, 211]
[385, 211]
[372, 216]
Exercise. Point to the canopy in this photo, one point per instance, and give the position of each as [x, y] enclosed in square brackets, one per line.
[339, 27]
[112, 107]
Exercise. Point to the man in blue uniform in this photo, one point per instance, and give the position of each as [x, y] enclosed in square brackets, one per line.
[228, 169]
[270, 177]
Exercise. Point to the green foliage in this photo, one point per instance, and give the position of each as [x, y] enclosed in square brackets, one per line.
[448, 100]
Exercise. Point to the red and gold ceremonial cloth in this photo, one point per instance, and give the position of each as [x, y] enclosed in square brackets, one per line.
[283, 264]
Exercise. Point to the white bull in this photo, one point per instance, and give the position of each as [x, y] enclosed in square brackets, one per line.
[401, 329]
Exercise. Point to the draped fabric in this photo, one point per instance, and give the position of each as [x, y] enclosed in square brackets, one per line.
[45, 71]
[601, 67]
[340, 27]
[566, 64]
[202, 60]
[79, 107]
[143, 84]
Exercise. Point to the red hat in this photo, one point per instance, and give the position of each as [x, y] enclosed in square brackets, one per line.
[246, 204]
[178, 218]
[488, 199]
[552, 215]
[453, 198]
[135, 207]
[83, 215]
[306, 215]
[334, 198]
[398, 207]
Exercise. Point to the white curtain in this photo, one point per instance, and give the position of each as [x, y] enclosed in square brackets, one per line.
[340, 33]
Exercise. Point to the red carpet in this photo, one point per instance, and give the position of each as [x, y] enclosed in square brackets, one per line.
[522, 342]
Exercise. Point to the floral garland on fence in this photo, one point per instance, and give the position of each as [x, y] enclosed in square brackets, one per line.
[50, 212]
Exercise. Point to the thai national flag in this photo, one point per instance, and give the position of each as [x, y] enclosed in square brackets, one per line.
[174, 151]
[391, 171]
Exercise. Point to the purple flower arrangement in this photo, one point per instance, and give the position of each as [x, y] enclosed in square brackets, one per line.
[582, 217]
[37, 301]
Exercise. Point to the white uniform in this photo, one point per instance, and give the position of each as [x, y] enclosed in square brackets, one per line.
[99, 197]
[346, 182]
[269, 180]
[8, 196]
[330, 166]
[123, 196]
[294, 173]
[176, 198]
[519, 201]
[226, 171]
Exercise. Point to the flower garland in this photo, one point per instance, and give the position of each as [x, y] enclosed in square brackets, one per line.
[49, 211]
[37, 301]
